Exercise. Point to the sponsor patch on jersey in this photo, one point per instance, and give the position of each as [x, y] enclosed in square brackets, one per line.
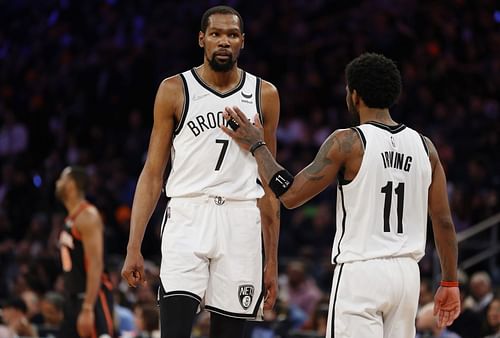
[245, 295]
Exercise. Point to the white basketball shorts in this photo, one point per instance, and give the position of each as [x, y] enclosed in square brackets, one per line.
[376, 298]
[212, 250]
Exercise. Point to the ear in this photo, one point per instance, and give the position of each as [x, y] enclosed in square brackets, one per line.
[355, 97]
[201, 37]
[242, 40]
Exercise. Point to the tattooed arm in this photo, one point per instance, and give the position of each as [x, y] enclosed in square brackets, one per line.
[337, 151]
[322, 171]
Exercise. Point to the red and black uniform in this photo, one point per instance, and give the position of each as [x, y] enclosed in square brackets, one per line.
[75, 265]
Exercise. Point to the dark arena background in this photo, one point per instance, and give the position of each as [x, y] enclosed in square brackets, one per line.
[77, 86]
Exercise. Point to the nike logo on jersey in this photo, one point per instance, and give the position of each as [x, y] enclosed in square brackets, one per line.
[246, 96]
[199, 97]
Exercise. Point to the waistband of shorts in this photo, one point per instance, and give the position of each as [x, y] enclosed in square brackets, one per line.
[213, 199]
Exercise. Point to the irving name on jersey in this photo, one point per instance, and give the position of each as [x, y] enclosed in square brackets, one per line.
[393, 159]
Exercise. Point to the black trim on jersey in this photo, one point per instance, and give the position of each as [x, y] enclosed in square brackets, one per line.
[237, 315]
[180, 293]
[258, 99]
[216, 92]
[343, 223]
[164, 223]
[185, 106]
[361, 136]
[340, 177]
[425, 144]
[335, 300]
[392, 129]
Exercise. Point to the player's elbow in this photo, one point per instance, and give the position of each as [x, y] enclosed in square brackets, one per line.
[289, 201]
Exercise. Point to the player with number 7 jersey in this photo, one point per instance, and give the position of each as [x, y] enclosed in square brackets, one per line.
[219, 232]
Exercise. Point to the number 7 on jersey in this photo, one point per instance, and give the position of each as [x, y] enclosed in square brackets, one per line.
[225, 143]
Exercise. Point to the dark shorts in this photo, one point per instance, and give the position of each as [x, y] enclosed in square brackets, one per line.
[103, 314]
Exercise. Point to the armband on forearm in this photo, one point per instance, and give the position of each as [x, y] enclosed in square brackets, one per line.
[281, 182]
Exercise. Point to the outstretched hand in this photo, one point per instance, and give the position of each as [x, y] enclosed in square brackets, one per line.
[446, 305]
[247, 134]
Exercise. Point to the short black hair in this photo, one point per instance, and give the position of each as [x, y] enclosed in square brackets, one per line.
[79, 175]
[55, 299]
[375, 78]
[219, 10]
[16, 303]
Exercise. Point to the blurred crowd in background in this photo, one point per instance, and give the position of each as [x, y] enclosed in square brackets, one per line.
[77, 86]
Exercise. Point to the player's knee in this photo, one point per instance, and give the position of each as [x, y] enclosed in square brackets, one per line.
[177, 315]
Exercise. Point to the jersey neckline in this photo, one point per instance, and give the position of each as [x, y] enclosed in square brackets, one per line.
[216, 92]
[392, 129]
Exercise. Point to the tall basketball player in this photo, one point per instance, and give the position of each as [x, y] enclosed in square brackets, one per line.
[211, 232]
[88, 310]
[389, 177]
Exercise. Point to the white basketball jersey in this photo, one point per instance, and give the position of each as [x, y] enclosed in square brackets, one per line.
[204, 159]
[382, 212]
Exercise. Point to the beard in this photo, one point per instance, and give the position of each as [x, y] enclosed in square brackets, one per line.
[221, 66]
[353, 112]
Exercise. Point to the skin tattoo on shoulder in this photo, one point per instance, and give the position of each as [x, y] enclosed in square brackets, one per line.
[347, 142]
[345, 145]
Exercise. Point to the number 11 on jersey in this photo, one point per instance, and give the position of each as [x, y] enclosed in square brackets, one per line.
[400, 193]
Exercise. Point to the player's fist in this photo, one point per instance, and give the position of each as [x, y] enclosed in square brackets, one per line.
[85, 323]
[133, 268]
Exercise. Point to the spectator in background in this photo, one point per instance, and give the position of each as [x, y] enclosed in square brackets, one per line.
[481, 291]
[317, 323]
[14, 136]
[14, 314]
[147, 320]
[427, 324]
[493, 318]
[32, 302]
[52, 306]
[299, 288]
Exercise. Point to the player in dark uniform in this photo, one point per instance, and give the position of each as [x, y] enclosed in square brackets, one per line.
[88, 310]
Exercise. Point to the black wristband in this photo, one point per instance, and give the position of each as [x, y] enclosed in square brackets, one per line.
[281, 182]
[255, 146]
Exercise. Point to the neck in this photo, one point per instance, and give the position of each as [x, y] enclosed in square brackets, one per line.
[219, 80]
[376, 114]
[72, 204]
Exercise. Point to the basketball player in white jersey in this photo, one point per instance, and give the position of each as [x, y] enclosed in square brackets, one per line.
[211, 232]
[388, 178]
